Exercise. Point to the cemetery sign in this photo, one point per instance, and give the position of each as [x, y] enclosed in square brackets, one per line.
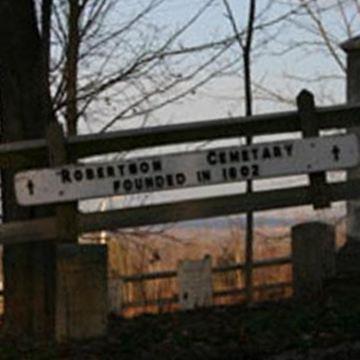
[187, 169]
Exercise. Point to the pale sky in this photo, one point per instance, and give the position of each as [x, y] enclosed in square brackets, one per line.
[285, 74]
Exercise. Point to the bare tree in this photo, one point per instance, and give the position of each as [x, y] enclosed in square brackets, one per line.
[245, 45]
[106, 71]
[317, 30]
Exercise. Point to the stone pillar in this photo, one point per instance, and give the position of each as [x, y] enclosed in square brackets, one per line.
[81, 292]
[313, 257]
[348, 256]
[195, 283]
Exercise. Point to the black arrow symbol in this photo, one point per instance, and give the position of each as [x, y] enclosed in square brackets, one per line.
[336, 152]
[30, 186]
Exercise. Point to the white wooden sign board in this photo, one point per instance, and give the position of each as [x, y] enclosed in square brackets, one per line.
[188, 169]
[195, 283]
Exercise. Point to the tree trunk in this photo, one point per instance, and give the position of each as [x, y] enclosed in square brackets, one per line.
[71, 69]
[29, 269]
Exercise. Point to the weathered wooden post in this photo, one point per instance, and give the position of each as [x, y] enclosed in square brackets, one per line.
[29, 269]
[313, 254]
[348, 256]
[308, 116]
[81, 270]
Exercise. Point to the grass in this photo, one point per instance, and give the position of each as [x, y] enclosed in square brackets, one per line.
[248, 333]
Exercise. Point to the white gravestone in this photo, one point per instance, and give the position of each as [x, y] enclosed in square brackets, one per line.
[195, 283]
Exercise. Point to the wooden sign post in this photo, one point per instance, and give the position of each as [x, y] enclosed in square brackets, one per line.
[190, 169]
[66, 220]
[81, 270]
[81, 293]
[307, 113]
[348, 256]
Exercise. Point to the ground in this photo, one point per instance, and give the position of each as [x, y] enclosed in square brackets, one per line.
[322, 330]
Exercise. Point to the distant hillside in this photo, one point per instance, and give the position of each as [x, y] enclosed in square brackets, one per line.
[223, 223]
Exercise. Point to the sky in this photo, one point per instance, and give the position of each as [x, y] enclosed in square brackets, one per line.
[284, 74]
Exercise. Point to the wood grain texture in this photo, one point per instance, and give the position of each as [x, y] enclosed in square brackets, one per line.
[32, 152]
[180, 211]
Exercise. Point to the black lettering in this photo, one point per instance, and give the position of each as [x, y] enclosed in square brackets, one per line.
[211, 158]
[144, 167]
[116, 186]
[121, 169]
[170, 180]
[132, 168]
[245, 171]
[266, 154]
[289, 149]
[149, 183]
[100, 172]
[138, 184]
[89, 173]
[255, 153]
[255, 170]
[245, 155]
[222, 157]
[78, 175]
[30, 186]
[224, 174]
[65, 176]
[277, 151]
[180, 179]
[157, 166]
[110, 171]
[203, 176]
[234, 156]
[232, 173]
[159, 181]
[127, 185]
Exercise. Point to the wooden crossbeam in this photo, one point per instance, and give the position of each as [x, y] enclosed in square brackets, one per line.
[66, 218]
[220, 269]
[32, 152]
[42, 229]
[217, 294]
